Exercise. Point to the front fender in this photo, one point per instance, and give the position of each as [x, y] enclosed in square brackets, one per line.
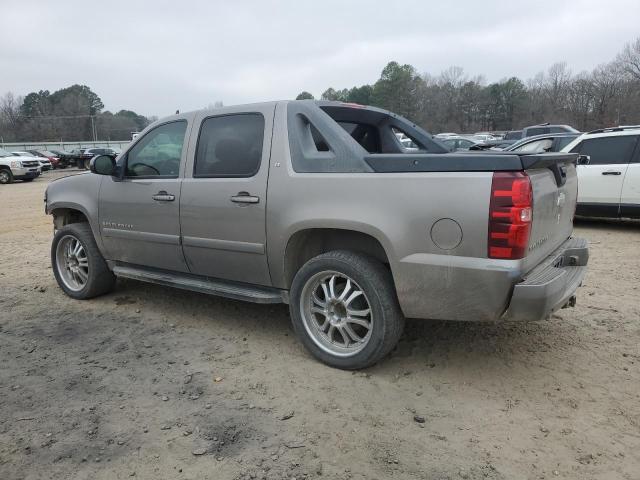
[80, 193]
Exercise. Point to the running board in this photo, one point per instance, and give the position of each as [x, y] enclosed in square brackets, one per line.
[237, 291]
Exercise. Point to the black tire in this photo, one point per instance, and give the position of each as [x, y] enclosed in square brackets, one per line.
[375, 280]
[100, 279]
[87, 164]
[6, 176]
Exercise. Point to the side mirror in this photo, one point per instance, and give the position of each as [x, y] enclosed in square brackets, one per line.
[103, 165]
[583, 160]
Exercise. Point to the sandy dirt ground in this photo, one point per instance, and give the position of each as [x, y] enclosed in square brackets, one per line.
[154, 383]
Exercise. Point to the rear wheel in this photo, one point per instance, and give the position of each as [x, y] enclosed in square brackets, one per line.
[78, 265]
[344, 309]
[87, 163]
[6, 176]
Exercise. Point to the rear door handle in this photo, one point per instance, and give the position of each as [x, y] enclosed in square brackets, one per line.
[612, 173]
[244, 197]
[163, 196]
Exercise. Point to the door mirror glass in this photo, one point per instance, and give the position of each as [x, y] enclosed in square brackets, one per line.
[103, 165]
[583, 160]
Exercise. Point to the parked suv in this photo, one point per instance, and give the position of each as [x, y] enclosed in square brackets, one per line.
[52, 157]
[319, 205]
[44, 163]
[544, 128]
[13, 168]
[609, 176]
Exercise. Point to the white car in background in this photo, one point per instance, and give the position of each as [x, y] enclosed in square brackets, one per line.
[483, 137]
[45, 164]
[609, 179]
[446, 135]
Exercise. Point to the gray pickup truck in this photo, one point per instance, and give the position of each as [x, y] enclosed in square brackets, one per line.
[319, 205]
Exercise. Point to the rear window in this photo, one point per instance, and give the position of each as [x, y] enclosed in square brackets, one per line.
[607, 150]
[230, 146]
[514, 135]
[366, 135]
[537, 131]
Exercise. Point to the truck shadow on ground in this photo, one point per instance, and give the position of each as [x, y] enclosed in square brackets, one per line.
[423, 342]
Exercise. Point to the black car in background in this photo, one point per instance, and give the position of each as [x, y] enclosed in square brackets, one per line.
[546, 128]
[82, 156]
[513, 135]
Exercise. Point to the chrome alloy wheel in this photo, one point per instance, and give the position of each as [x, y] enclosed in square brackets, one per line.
[72, 263]
[336, 313]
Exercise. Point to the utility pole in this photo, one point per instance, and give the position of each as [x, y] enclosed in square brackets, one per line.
[93, 128]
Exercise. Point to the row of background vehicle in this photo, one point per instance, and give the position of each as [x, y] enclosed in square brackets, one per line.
[609, 175]
[608, 170]
[500, 140]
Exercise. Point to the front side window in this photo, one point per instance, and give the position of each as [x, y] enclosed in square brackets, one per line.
[230, 146]
[158, 153]
[607, 150]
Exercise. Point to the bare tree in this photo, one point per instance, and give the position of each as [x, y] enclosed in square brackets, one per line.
[629, 58]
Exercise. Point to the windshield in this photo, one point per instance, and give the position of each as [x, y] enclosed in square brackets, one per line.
[4, 153]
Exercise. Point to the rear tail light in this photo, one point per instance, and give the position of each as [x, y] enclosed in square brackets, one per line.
[510, 215]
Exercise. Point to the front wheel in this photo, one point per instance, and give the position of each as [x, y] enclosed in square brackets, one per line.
[344, 309]
[78, 265]
[6, 176]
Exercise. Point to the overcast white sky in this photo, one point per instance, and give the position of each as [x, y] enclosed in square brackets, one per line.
[157, 56]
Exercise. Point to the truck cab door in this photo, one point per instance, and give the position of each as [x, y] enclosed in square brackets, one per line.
[600, 182]
[224, 193]
[139, 212]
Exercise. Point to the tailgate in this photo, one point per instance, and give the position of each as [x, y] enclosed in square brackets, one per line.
[555, 191]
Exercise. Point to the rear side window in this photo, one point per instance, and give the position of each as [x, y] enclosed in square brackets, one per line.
[607, 150]
[230, 146]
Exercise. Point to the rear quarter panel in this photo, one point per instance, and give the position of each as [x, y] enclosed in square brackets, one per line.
[399, 210]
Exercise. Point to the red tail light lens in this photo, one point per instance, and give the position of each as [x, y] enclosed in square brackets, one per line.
[510, 215]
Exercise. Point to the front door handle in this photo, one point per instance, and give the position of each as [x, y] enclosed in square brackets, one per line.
[163, 196]
[612, 173]
[245, 197]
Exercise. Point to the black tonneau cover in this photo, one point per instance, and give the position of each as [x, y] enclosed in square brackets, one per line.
[460, 162]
